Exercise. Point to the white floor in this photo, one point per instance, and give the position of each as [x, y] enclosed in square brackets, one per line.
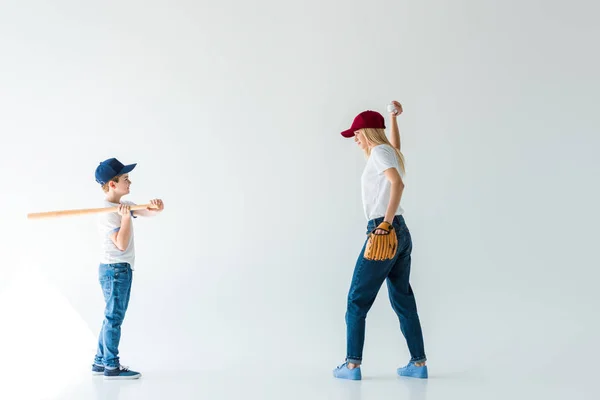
[287, 384]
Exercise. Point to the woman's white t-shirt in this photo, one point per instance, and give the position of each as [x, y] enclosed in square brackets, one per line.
[375, 185]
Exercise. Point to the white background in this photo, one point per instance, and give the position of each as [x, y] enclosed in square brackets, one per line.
[232, 111]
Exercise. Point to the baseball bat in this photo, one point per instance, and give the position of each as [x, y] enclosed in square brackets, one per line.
[84, 211]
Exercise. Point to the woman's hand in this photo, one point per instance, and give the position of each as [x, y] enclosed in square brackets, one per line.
[380, 231]
[398, 108]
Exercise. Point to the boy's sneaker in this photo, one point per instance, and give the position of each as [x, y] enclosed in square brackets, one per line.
[97, 369]
[343, 372]
[412, 371]
[120, 373]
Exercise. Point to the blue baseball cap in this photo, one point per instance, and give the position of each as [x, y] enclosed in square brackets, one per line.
[110, 168]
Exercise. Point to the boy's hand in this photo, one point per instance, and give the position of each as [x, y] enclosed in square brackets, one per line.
[158, 205]
[124, 210]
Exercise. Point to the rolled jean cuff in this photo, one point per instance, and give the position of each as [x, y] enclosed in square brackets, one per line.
[114, 364]
[354, 360]
[418, 359]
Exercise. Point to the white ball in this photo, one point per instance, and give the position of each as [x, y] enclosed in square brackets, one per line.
[392, 109]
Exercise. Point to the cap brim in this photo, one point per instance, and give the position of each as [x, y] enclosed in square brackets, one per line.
[348, 133]
[126, 169]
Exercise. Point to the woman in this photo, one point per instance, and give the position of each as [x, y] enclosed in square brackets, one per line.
[382, 189]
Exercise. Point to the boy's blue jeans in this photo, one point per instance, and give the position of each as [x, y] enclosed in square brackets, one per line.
[367, 280]
[115, 280]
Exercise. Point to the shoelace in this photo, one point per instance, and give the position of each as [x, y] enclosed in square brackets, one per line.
[408, 366]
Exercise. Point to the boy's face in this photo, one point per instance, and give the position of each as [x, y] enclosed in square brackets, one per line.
[122, 187]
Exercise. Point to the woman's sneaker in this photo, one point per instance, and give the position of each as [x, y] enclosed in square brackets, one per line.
[120, 373]
[412, 371]
[343, 372]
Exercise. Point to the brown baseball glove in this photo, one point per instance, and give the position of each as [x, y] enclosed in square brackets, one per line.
[382, 246]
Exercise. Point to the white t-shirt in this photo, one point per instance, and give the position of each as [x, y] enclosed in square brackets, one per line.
[107, 224]
[375, 185]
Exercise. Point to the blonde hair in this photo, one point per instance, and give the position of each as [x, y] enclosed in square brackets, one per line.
[106, 186]
[375, 137]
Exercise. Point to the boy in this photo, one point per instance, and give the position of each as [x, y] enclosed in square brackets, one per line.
[117, 264]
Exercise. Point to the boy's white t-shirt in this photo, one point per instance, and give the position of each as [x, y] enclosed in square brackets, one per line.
[107, 224]
[375, 185]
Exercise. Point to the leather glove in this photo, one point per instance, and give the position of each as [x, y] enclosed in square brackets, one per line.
[382, 247]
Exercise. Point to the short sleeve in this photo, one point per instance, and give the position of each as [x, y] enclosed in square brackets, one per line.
[384, 157]
[109, 222]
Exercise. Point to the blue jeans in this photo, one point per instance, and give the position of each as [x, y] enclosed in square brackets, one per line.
[367, 280]
[115, 280]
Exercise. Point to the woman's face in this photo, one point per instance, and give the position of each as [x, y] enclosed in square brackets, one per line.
[361, 140]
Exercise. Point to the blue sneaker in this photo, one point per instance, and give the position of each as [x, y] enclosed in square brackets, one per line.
[343, 372]
[97, 369]
[412, 371]
[120, 373]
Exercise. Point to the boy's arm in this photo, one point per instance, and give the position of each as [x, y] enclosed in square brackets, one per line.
[158, 206]
[121, 236]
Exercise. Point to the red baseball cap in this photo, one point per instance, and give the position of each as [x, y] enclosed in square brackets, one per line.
[366, 119]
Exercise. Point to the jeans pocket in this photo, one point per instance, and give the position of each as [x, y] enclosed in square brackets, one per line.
[120, 274]
[119, 270]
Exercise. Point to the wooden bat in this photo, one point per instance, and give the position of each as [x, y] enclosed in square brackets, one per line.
[84, 211]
